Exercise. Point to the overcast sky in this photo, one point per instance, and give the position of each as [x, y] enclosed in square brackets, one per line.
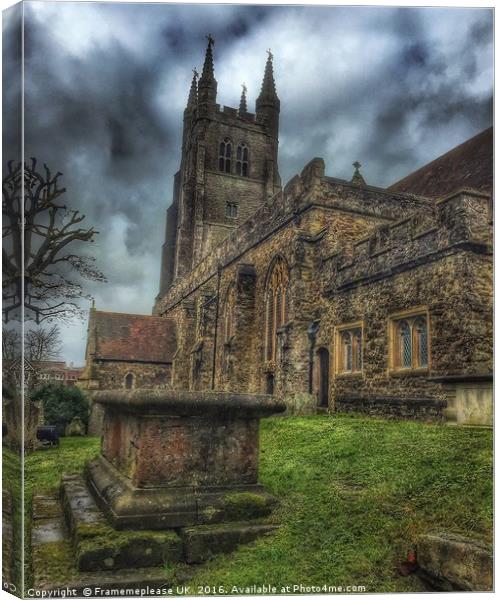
[106, 85]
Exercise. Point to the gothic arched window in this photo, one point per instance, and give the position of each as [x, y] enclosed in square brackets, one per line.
[350, 349]
[276, 309]
[242, 160]
[225, 153]
[411, 343]
[229, 307]
[129, 381]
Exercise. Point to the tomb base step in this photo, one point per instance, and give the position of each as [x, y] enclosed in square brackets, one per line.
[204, 541]
[55, 567]
[99, 547]
[162, 508]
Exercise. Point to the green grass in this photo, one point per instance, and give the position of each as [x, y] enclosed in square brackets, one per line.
[354, 493]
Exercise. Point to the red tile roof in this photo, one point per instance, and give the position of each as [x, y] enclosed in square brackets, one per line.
[468, 165]
[142, 338]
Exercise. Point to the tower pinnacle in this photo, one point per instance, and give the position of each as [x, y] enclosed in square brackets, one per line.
[208, 66]
[268, 104]
[193, 92]
[207, 85]
[268, 90]
[243, 100]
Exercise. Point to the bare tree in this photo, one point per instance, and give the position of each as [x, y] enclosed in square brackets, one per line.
[34, 216]
[42, 344]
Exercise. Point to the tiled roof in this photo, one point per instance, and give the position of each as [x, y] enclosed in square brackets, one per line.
[120, 336]
[468, 165]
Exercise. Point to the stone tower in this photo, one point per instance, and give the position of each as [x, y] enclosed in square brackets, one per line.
[229, 166]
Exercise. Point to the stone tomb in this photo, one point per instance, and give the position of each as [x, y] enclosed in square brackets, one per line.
[172, 459]
[176, 482]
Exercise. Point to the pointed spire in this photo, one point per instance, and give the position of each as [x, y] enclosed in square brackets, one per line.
[243, 100]
[207, 74]
[357, 178]
[193, 92]
[207, 85]
[268, 90]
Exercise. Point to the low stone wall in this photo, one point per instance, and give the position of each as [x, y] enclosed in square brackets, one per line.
[424, 409]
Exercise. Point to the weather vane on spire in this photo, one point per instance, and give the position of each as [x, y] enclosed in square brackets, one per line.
[270, 54]
[210, 39]
[244, 87]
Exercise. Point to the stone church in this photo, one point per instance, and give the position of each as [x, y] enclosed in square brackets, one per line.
[335, 295]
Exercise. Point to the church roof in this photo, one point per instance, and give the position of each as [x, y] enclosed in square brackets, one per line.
[468, 165]
[140, 338]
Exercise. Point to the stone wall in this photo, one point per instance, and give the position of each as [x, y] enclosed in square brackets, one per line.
[111, 374]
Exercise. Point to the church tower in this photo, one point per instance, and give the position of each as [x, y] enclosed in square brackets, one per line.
[229, 167]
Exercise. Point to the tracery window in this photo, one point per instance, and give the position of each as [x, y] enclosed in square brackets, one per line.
[276, 305]
[349, 350]
[225, 153]
[242, 160]
[229, 308]
[410, 342]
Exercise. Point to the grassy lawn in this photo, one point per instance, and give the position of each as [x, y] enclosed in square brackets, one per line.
[354, 493]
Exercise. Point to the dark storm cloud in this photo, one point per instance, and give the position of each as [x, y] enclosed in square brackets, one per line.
[12, 82]
[106, 85]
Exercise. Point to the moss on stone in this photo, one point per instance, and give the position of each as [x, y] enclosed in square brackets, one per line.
[53, 563]
[246, 505]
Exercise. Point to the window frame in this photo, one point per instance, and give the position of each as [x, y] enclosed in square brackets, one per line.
[231, 207]
[276, 305]
[411, 316]
[339, 354]
[240, 160]
[226, 157]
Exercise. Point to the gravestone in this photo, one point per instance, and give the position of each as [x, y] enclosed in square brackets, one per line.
[75, 427]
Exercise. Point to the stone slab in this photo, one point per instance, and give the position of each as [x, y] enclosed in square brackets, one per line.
[202, 542]
[45, 507]
[99, 547]
[54, 566]
[455, 562]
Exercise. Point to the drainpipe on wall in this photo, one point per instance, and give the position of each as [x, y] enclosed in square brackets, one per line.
[312, 331]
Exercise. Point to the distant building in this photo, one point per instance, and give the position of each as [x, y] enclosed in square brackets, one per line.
[54, 371]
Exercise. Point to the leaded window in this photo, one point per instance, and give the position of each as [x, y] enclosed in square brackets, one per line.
[411, 342]
[350, 349]
[242, 160]
[225, 154]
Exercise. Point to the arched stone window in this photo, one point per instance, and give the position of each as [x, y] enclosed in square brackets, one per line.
[410, 342]
[229, 308]
[242, 160]
[276, 304]
[225, 153]
[129, 381]
[349, 348]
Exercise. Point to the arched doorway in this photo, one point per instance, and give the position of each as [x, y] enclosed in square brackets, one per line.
[323, 357]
